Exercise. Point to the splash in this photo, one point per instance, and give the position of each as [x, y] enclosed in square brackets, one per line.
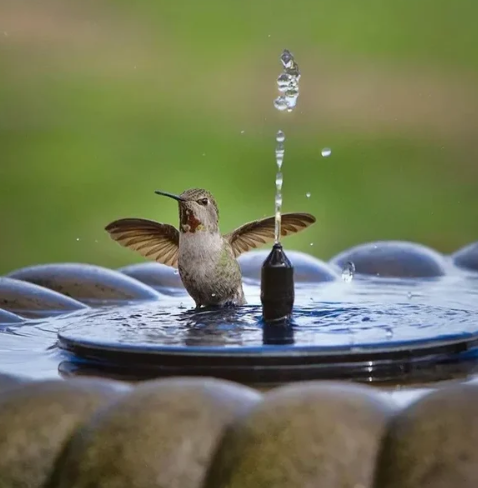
[288, 85]
[348, 272]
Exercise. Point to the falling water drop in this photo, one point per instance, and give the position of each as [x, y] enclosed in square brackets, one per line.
[283, 81]
[280, 138]
[279, 180]
[291, 99]
[280, 149]
[326, 152]
[280, 103]
[287, 83]
[279, 158]
[388, 333]
[348, 272]
[278, 200]
[287, 59]
[307, 194]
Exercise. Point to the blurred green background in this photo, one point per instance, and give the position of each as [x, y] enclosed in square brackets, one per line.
[102, 102]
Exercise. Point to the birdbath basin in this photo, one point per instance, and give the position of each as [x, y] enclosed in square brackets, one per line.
[414, 318]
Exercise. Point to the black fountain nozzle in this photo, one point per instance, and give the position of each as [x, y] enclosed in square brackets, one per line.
[277, 286]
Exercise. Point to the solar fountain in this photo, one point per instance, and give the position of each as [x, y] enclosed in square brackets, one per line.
[388, 312]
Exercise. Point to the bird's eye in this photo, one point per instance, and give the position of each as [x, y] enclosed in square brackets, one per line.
[203, 201]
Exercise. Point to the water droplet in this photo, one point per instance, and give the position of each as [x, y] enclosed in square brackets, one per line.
[409, 295]
[77, 238]
[292, 91]
[278, 200]
[279, 158]
[294, 72]
[283, 81]
[243, 131]
[311, 243]
[279, 180]
[213, 294]
[326, 152]
[307, 194]
[277, 226]
[291, 103]
[388, 333]
[288, 83]
[280, 103]
[176, 271]
[287, 59]
[203, 154]
[348, 272]
[280, 138]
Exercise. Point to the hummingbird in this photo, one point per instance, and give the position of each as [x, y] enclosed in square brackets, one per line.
[205, 258]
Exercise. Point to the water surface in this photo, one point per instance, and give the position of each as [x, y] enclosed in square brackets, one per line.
[382, 313]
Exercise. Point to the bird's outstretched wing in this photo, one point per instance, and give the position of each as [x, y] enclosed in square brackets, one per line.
[155, 241]
[254, 234]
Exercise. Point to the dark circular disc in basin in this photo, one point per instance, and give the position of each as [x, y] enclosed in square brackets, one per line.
[365, 343]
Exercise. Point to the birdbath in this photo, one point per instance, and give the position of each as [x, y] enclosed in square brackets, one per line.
[387, 312]
[398, 328]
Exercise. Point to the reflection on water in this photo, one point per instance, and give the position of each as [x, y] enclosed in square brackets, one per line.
[329, 324]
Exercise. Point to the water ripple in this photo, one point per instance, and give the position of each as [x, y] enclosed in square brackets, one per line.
[364, 312]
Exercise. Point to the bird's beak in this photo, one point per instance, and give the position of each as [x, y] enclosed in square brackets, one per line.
[170, 195]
